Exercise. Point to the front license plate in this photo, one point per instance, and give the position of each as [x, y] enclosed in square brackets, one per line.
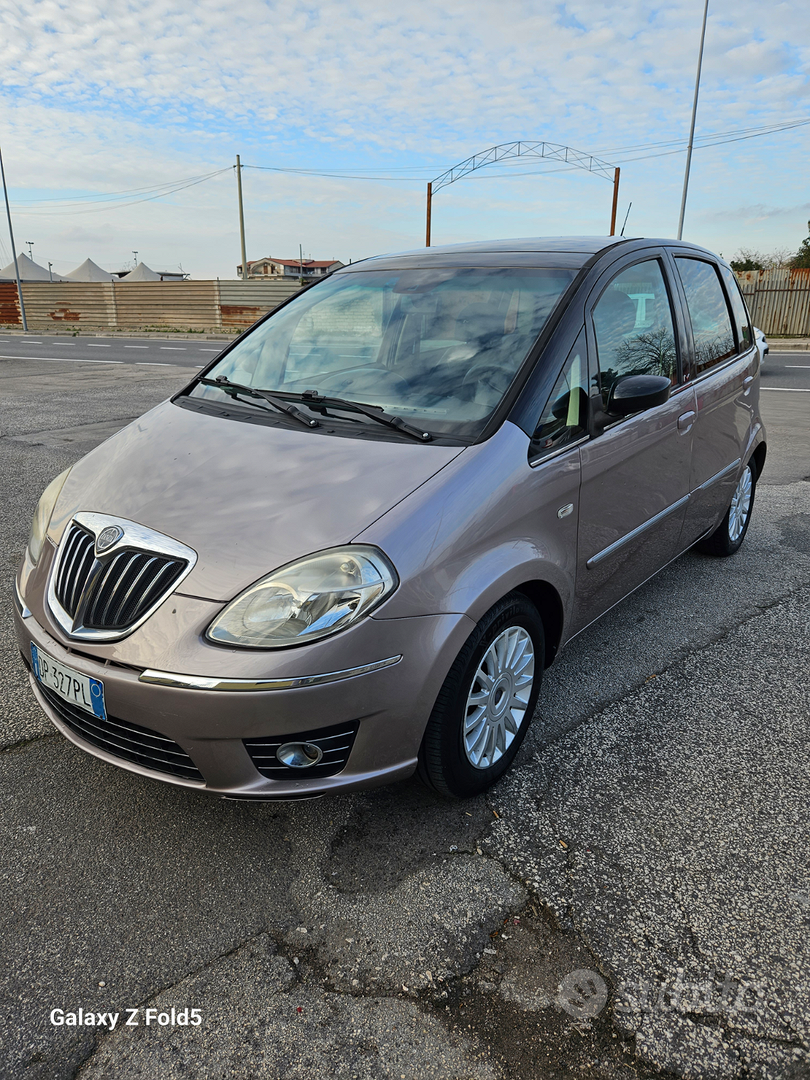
[80, 690]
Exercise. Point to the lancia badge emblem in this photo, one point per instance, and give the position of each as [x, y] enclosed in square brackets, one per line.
[107, 537]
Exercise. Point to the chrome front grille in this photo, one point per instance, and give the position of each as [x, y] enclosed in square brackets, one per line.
[104, 594]
[74, 567]
[132, 582]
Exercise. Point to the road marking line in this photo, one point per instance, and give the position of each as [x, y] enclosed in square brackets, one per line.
[151, 363]
[208, 350]
[798, 367]
[787, 389]
[173, 348]
[93, 345]
[60, 359]
[136, 346]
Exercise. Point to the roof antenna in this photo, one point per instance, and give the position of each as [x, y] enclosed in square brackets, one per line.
[626, 216]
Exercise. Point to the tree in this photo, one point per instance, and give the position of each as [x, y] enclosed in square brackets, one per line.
[747, 260]
[801, 260]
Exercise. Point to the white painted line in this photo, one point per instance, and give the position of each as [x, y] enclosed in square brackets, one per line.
[787, 389]
[93, 345]
[208, 350]
[59, 359]
[799, 367]
[151, 363]
[173, 348]
[136, 346]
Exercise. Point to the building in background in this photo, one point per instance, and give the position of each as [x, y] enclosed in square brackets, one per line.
[268, 267]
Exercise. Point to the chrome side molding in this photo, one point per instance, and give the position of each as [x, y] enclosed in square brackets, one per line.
[201, 682]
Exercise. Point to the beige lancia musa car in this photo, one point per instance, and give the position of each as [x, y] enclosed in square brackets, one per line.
[347, 550]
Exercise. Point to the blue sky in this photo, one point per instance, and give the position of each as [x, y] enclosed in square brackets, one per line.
[101, 98]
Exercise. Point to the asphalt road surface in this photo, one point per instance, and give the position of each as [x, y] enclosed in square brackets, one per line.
[633, 900]
[141, 351]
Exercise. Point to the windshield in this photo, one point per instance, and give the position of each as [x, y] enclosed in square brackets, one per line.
[437, 348]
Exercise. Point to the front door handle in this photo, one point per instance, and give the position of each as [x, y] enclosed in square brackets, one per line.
[748, 382]
[685, 421]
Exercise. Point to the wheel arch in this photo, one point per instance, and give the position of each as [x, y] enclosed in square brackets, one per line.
[550, 608]
[758, 459]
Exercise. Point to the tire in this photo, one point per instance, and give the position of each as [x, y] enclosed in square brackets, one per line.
[729, 535]
[507, 646]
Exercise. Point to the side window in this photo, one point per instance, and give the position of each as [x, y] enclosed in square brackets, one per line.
[708, 311]
[635, 334]
[565, 417]
[742, 322]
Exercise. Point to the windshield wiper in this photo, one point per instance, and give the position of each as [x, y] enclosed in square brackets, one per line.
[374, 412]
[278, 403]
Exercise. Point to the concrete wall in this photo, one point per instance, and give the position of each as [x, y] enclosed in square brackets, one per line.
[142, 305]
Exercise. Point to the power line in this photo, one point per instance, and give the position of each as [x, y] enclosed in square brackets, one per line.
[134, 196]
[717, 138]
[104, 195]
[57, 208]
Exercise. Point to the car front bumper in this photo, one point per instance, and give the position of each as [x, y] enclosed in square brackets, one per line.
[386, 697]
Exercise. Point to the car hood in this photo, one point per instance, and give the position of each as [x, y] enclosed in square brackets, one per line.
[247, 498]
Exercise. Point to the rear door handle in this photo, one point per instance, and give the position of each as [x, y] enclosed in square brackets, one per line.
[685, 421]
[748, 382]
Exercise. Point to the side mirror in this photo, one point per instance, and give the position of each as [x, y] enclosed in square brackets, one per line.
[634, 393]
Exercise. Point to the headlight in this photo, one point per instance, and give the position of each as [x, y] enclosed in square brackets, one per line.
[42, 516]
[307, 600]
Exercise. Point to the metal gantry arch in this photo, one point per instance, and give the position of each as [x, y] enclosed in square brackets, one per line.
[550, 151]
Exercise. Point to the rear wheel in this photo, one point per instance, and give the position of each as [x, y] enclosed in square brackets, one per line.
[485, 706]
[729, 535]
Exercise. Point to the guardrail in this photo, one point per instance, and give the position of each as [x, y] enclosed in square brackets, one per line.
[143, 305]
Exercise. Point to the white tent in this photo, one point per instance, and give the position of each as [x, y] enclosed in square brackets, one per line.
[89, 271]
[141, 273]
[29, 271]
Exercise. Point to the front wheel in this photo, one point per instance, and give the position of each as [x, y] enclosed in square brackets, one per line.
[730, 533]
[484, 708]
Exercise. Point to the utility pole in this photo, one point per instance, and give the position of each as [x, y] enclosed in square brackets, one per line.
[13, 248]
[301, 261]
[427, 221]
[692, 128]
[241, 218]
[616, 174]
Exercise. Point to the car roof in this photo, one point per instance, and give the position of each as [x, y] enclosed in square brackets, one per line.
[571, 252]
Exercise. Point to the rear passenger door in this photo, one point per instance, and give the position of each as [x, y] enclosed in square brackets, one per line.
[635, 470]
[721, 363]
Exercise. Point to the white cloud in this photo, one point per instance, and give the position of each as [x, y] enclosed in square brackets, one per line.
[102, 96]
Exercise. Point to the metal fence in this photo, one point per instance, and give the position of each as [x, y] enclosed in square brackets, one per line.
[142, 305]
[779, 300]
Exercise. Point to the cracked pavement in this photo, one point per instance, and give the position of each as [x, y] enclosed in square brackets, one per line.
[653, 838]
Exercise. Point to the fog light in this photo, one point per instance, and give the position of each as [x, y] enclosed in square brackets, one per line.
[299, 755]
